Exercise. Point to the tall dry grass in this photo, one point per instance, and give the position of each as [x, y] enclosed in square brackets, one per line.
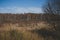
[39, 31]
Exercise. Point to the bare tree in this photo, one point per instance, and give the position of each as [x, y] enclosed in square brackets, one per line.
[52, 7]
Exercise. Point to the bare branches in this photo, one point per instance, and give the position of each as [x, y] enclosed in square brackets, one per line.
[52, 7]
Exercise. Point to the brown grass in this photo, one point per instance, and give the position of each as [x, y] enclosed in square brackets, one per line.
[10, 31]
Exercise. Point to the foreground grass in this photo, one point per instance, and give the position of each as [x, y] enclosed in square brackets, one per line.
[16, 35]
[41, 31]
[28, 35]
[11, 35]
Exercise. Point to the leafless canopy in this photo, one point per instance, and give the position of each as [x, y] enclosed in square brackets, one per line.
[52, 7]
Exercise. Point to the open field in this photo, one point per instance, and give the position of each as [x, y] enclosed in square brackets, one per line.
[9, 31]
[36, 27]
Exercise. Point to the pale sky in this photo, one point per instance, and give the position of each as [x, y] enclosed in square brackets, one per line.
[21, 6]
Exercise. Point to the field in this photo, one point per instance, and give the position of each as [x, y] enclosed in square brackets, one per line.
[38, 29]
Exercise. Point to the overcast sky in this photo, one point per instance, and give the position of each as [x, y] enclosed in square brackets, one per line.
[21, 6]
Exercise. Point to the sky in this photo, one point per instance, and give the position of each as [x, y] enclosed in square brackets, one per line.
[21, 6]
